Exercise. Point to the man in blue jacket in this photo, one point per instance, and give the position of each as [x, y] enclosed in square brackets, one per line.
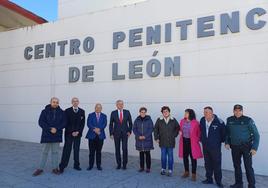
[52, 121]
[120, 129]
[96, 122]
[212, 137]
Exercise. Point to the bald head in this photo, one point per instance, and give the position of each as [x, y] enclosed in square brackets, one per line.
[54, 102]
[98, 108]
[75, 102]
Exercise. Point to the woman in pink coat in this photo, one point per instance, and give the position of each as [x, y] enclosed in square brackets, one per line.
[189, 142]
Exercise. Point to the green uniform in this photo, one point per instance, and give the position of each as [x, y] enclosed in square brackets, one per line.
[242, 130]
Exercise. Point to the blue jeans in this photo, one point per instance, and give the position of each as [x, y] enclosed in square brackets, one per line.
[167, 153]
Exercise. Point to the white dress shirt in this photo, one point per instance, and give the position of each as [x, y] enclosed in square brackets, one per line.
[208, 123]
[119, 113]
[75, 109]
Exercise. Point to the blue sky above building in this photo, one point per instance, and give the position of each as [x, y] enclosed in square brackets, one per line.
[47, 9]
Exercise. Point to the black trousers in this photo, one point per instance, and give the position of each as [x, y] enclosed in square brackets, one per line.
[212, 159]
[95, 147]
[70, 142]
[239, 151]
[118, 140]
[146, 154]
[187, 151]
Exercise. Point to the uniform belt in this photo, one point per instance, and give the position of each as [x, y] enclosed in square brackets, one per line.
[242, 144]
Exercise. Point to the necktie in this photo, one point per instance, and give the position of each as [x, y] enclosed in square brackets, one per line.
[75, 110]
[98, 117]
[121, 117]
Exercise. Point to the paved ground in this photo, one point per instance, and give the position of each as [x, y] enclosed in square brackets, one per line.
[19, 159]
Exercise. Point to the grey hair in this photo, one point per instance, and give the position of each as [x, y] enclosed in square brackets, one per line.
[98, 104]
[118, 101]
[74, 98]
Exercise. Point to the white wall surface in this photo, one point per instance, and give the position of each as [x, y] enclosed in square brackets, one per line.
[69, 8]
[219, 71]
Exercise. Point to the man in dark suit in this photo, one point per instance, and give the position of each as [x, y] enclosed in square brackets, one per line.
[120, 129]
[212, 136]
[73, 132]
[96, 122]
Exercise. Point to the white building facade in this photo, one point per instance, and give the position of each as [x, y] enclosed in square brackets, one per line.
[184, 54]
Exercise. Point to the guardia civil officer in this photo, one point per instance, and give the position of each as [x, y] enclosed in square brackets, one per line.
[243, 138]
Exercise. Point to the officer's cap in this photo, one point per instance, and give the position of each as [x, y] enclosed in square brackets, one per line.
[238, 106]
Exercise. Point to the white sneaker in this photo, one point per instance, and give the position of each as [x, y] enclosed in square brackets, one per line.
[169, 173]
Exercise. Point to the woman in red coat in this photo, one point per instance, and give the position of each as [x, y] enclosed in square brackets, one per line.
[189, 142]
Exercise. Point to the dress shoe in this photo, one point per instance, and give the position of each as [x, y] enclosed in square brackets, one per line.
[77, 168]
[89, 168]
[38, 172]
[56, 171]
[220, 185]
[141, 170]
[61, 170]
[236, 185]
[118, 167]
[99, 168]
[207, 181]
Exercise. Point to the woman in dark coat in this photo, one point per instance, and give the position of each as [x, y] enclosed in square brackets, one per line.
[165, 132]
[143, 129]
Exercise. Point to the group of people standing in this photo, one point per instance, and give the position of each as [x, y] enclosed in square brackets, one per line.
[240, 134]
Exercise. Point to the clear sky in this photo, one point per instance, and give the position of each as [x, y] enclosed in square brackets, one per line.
[47, 9]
